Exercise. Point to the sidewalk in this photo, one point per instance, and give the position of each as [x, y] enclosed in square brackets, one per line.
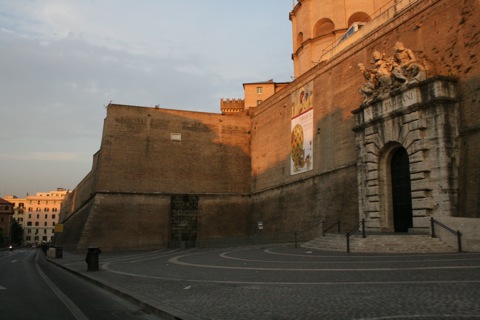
[145, 298]
[282, 282]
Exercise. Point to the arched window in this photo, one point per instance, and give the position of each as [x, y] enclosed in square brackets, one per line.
[322, 27]
[358, 17]
[299, 40]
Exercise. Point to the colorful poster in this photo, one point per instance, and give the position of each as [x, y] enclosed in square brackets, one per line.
[302, 130]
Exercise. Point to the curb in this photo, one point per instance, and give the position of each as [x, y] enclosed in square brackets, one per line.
[154, 307]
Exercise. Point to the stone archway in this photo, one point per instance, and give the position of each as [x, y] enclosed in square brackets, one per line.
[417, 126]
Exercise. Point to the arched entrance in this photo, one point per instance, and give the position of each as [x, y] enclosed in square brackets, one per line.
[401, 191]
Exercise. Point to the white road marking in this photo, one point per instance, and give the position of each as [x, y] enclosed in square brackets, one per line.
[76, 312]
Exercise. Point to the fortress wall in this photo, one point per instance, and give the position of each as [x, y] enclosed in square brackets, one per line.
[172, 151]
[126, 221]
[305, 203]
[73, 229]
[223, 216]
[443, 34]
[118, 222]
[141, 165]
[81, 194]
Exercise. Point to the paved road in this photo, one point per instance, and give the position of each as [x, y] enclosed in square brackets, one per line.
[282, 282]
[31, 288]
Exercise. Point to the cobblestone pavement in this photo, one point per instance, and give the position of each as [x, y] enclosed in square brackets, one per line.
[283, 282]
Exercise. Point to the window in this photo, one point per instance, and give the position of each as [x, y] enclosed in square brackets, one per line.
[38, 216]
[46, 216]
[54, 209]
[45, 209]
[29, 216]
[53, 216]
[29, 223]
[38, 210]
[38, 202]
[45, 224]
[259, 90]
[36, 223]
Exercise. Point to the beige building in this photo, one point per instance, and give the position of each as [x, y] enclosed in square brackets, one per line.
[254, 94]
[320, 26]
[38, 214]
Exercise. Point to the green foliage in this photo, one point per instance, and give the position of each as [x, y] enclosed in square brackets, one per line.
[17, 233]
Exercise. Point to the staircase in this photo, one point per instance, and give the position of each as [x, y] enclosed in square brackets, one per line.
[380, 243]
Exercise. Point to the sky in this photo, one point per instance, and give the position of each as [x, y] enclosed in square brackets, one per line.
[63, 61]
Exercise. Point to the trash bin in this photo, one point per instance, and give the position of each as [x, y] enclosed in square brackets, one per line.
[92, 258]
[59, 252]
[51, 252]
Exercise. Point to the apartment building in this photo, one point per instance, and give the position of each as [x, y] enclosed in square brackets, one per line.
[38, 214]
[6, 212]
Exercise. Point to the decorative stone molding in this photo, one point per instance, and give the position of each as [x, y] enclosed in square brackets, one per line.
[420, 116]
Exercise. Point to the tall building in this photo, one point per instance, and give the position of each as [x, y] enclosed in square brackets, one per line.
[38, 214]
[6, 213]
[322, 27]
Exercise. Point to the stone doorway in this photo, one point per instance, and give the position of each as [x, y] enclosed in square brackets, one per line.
[412, 130]
[401, 191]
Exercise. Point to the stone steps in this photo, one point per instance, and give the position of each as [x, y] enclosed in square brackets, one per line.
[380, 243]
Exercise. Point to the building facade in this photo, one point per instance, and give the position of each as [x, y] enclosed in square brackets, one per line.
[38, 214]
[384, 127]
[6, 213]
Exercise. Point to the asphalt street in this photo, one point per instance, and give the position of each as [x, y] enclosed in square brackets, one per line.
[283, 282]
[32, 288]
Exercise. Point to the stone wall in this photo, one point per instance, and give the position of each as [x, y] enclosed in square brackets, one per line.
[443, 35]
[240, 168]
[150, 156]
[171, 151]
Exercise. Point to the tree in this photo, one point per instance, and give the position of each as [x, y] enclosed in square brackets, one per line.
[17, 233]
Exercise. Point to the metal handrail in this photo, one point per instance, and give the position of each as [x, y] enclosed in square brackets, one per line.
[324, 230]
[309, 228]
[353, 231]
[456, 232]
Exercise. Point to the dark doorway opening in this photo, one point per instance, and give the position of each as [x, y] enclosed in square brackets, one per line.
[401, 191]
[183, 221]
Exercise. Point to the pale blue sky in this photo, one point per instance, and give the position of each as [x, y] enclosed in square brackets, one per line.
[61, 61]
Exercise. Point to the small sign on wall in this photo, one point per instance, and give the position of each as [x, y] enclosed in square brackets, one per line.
[58, 228]
[175, 136]
[260, 225]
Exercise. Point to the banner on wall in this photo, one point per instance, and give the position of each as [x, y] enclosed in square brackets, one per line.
[301, 159]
